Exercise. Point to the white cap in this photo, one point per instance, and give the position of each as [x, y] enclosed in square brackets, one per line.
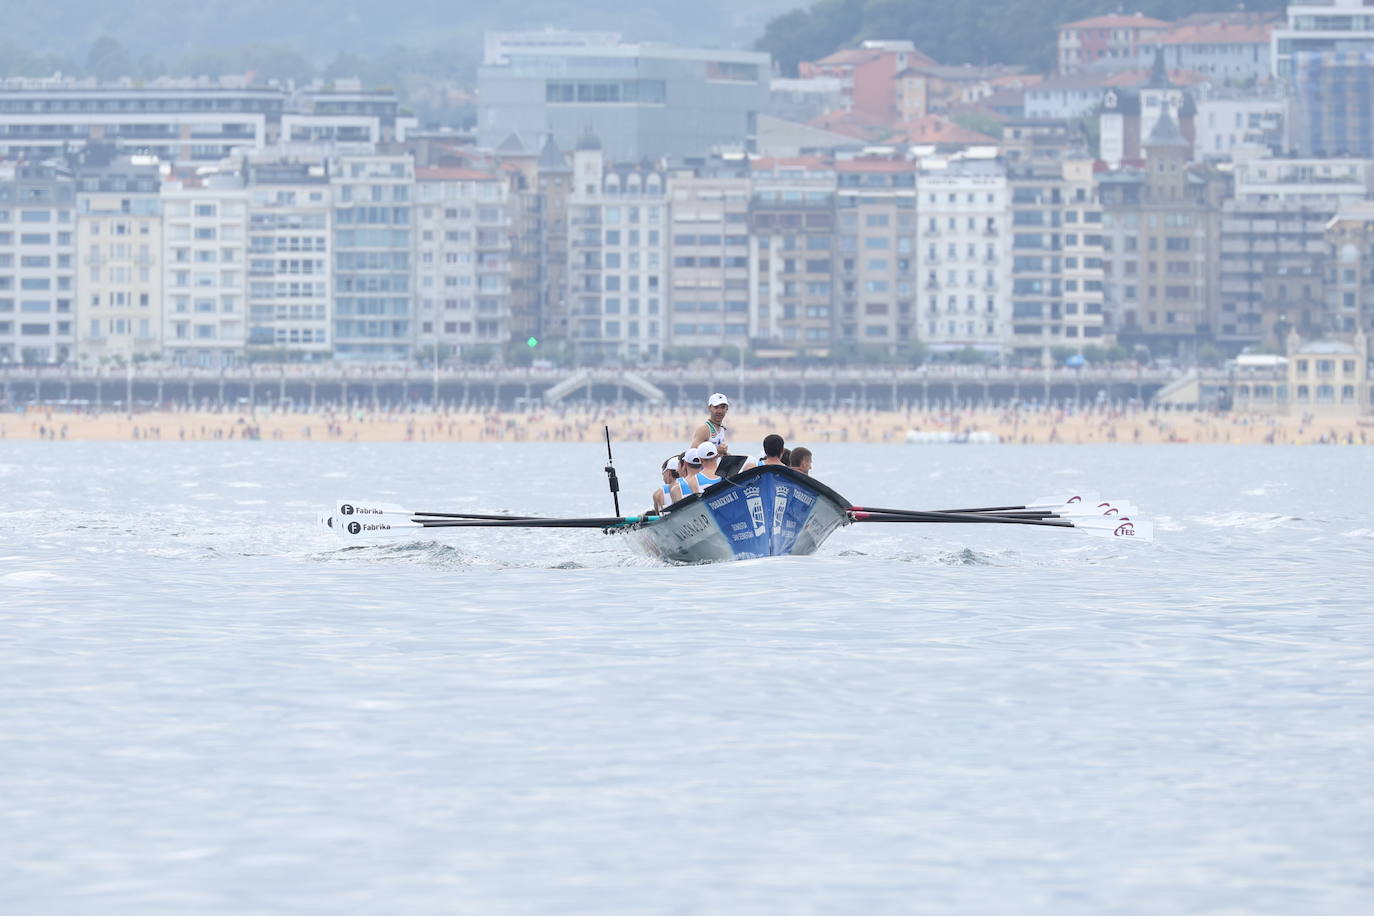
[717, 399]
[707, 452]
[692, 456]
[670, 464]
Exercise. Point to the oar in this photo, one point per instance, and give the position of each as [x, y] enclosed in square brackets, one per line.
[1075, 510]
[1045, 502]
[1127, 527]
[359, 509]
[610, 522]
[361, 528]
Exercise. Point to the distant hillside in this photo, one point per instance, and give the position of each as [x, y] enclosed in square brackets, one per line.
[966, 31]
[42, 32]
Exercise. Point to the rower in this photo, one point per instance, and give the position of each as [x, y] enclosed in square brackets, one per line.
[710, 459]
[800, 460]
[713, 430]
[687, 469]
[664, 494]
[773, 447]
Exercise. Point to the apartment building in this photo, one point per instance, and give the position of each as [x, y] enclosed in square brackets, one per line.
[1084, 318]
[1274, 251]
[290, 257]
[189, 120]
[876, 258]
[710, 256]
[1161, 227]
[963, 256]
[1226, 123]
[793, 221]
[204, 248]
[120, 307]
[342, 114]
[463, 258]
[1116, 38]
[37, 263]
[1037, 218]
[374, 293]
[1236, 53]
[868, 75]
[617, 260]
[1350, 270]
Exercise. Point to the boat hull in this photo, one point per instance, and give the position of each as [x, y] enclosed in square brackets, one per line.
[766, 511]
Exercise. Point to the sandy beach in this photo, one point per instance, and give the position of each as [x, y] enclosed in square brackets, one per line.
[674, 425]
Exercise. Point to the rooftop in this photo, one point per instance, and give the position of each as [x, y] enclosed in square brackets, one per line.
[1117, 21]
[1215, 34]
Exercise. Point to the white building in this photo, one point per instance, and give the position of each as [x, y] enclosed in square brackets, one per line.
[463, 220]
[185, 120]
[289, 258]
[119, 242]
[1066, 97]
[963, 256]
[37, 235]
[205, 220]
[1223, 125]
[617, 259]
[1230, 52]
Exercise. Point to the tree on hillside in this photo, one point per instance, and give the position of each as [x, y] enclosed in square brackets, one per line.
[108, 60]
[971, 31]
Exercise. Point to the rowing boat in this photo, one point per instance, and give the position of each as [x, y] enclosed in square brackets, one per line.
[766, 511]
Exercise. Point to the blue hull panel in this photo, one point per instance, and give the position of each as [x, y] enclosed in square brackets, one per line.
[763, 512]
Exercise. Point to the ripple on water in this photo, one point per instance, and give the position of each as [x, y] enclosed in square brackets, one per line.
[943, 714]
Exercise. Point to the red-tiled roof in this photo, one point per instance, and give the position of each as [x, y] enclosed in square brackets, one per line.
[941, 131]
[452, 173]
[1116, 21]
[811, 163]
[863, 55]
[1215, 34]
[851, 124]
[1131, 78]
[873, 165]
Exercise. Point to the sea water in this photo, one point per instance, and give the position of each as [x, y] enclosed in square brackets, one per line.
[209, 705]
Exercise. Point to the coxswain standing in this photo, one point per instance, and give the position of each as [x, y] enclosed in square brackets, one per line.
[713, 430]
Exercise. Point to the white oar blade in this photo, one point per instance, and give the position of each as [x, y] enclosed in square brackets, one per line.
[1073, 499]
[360, 509]
[1121, 528]
[1094, 510]
[370, 527]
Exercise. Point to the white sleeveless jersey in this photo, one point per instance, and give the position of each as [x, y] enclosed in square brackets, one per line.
[718, 434]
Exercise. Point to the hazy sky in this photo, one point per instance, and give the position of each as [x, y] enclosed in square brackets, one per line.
[171, 28]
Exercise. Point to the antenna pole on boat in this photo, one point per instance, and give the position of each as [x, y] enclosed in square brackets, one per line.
[610, 473]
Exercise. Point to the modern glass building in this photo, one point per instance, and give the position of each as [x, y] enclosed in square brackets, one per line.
[642, 101]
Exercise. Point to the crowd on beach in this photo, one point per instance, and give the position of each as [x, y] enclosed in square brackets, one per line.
[658, 423]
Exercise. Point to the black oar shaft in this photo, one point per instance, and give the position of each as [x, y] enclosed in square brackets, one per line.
[473, 515]
[992, 512]
[531, 522]
[950, 517]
